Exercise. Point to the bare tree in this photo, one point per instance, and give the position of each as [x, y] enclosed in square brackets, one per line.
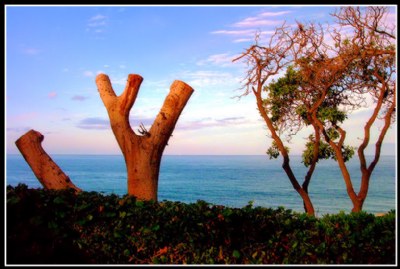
[142, 152]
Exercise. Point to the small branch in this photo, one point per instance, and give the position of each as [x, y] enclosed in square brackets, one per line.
[143, 131]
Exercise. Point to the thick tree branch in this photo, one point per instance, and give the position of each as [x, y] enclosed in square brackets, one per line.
[166, 119]
[45, 169]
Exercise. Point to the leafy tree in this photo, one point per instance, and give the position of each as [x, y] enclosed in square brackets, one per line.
[264, 62]
[323, 84]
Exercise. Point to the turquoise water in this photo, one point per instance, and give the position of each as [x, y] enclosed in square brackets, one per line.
[226, 180]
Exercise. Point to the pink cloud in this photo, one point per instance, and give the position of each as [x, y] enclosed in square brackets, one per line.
[23, 117]
[52, 95]
[209, 122]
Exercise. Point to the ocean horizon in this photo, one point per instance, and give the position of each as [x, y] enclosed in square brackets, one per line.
[228, 180]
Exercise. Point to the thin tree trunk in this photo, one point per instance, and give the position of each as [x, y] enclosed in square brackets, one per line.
[309, 208]
[45, 169]
[142, 153]
[366, 172]
[314, 161]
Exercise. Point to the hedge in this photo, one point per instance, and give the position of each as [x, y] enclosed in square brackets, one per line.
[60, 227]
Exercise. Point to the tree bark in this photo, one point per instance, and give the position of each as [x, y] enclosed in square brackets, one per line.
[143, 152]
[45, 169]
[308, 205]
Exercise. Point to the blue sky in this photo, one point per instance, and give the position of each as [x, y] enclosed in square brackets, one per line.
[53, 54]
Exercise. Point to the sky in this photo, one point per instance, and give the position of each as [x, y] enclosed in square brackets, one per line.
[53, 54]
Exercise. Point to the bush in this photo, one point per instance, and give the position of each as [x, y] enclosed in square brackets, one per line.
[61, 227]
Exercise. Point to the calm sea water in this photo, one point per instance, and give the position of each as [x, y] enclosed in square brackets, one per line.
[226, 180]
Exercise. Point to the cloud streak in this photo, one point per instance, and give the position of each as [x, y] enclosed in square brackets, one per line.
[203, 78]
[88, 73]
[235, 32]
[79, 98]
[274, 14]
[97, 23]
[30, 51]
[94, 124]
[209, 123]
[223, 59]
[18, 129]
[255, 21]
[251, 25]
[52, 95]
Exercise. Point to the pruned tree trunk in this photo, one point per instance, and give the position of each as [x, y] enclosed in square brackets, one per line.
[143, 152]
[45, 169]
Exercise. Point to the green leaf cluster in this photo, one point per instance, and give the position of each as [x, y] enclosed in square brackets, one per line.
[273, 151]
[288, 96]
[60, 227]
[282, 94]
[325, 151]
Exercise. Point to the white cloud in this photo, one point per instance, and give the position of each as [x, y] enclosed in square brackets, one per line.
[243, 34]
[253, 25]
[97, 17]
[202, 79]
[97, 23]
[255, 21]
[236, 32]
[223, 59]
[260, 20]
[118, 81]
[274, 14]
[242, 40]
[88, 74]
[30, 51]
[211, 122]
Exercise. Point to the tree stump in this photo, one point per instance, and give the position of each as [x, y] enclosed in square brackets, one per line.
[45, 169]
[143, 152]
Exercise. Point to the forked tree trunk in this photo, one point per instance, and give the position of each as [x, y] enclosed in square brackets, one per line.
[45, 169]
[142, 153]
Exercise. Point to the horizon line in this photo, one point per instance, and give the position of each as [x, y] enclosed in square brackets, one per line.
[108, 154]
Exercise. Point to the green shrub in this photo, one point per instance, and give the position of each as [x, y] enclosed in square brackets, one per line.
[89, 228]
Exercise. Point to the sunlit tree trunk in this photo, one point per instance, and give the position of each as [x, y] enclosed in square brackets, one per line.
[143, 152]
[45, 169]
[308, 206]
[366, 171]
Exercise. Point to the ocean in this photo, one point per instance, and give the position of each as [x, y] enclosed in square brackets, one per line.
[232, 181]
